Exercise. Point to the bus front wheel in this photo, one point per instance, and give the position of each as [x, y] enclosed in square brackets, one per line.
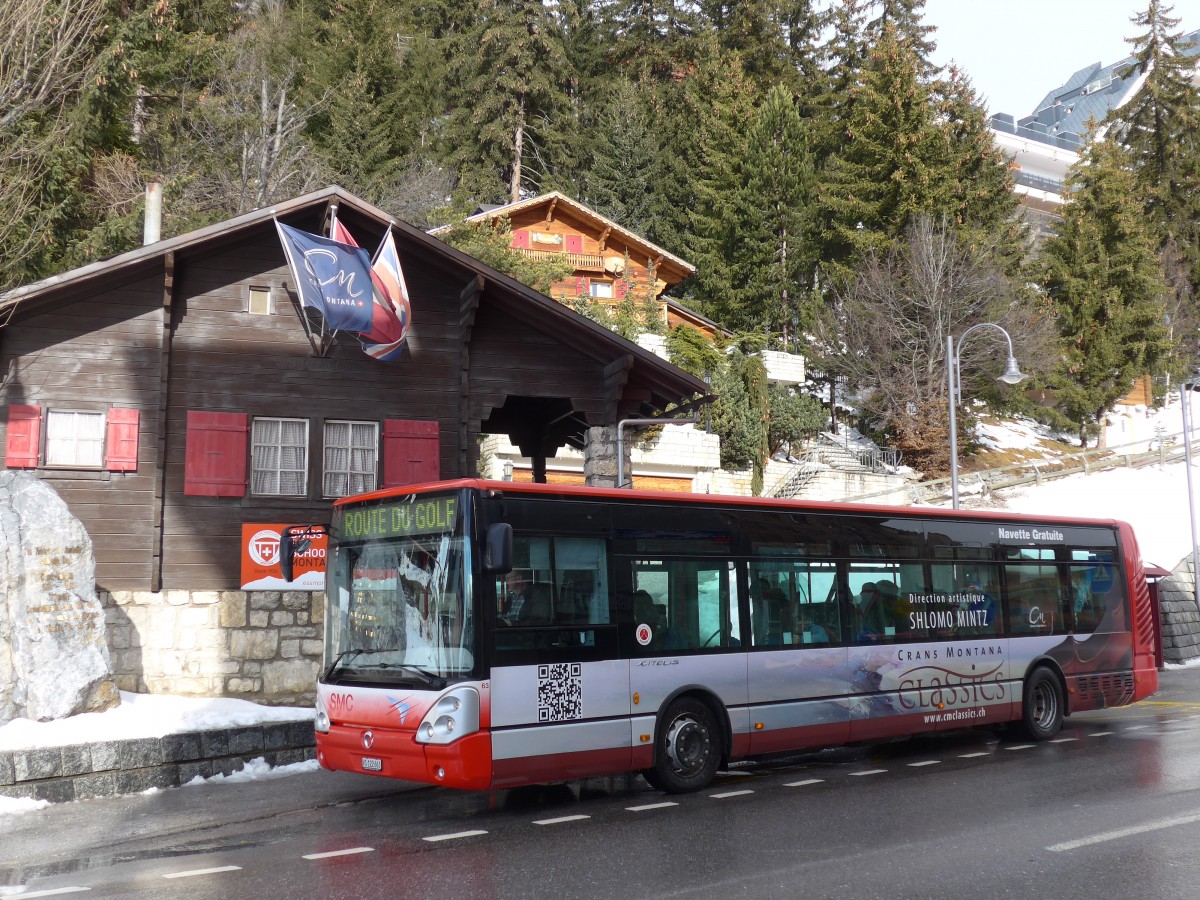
[688, 749]
[1043, 706]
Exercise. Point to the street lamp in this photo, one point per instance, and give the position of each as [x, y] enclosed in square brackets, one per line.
[1012, 374]
[1185, 398]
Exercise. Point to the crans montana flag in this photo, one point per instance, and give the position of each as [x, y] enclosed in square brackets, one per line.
[331, 277]
[385, 324]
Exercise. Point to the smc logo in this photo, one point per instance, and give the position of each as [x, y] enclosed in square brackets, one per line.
[341, 704]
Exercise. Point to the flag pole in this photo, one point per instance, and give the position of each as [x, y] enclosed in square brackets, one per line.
[303, 315]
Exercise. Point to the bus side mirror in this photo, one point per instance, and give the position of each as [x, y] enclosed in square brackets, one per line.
[497, 553]
[295, 539]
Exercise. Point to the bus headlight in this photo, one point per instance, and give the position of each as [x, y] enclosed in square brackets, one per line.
[322, 721]
[454, 715]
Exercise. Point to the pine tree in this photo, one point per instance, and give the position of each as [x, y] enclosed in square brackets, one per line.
[509, 120]
[1160, 126]
[904, 17]
[620, 180]
[893, 162]
[774, 251]
[1103, 275]
[981, 184]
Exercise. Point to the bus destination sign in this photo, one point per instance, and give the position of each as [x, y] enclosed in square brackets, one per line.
[427, 515]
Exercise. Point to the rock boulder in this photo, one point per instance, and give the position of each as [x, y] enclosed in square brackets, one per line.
[53, 648]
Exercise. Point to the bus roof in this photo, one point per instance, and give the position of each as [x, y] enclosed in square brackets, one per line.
[679, 498]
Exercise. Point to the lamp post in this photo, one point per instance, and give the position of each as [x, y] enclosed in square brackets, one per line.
[1012, 374]
[1185, 398]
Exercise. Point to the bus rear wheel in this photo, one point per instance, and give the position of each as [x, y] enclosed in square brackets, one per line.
[1042, 716]
[688, 749]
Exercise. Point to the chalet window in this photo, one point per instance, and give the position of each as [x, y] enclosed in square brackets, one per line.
[279, 457]
[258, 303]
[602, 289]
[75, 439]
[351, 457]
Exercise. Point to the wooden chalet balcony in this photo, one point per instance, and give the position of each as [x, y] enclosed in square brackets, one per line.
[586, 262]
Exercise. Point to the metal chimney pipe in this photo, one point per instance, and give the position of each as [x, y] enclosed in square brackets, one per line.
[152, 231]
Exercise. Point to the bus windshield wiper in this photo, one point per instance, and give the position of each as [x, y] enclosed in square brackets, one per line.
[432, 678]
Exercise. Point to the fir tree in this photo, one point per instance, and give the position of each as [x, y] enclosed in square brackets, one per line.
[509, 122]
[904, 17]
[1160, 126]
[893, 162]
[620, 181]
[773, 252]
[1103, 275]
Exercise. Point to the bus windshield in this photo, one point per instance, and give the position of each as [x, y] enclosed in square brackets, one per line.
[399, 594]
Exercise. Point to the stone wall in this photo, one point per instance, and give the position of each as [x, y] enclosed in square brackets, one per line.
[1179, 614]
[264, 646]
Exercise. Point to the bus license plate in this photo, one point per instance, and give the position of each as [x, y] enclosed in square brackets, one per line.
[371, 764]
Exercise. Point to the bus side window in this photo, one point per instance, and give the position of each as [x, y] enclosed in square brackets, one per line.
[1095, 600]
[1033, 598]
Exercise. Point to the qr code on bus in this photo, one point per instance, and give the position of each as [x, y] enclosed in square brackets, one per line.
[560, 692]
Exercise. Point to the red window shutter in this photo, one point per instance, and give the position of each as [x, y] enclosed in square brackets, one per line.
[583, 286]
[23, 441]
[621, 289]
[574, 243]
[411, 452]
[215, 459]
[520, 238]
[121, 440]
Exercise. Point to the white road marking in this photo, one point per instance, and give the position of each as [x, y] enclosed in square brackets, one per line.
[452, 837]
[192, 873]
[1020, 746]
[725, 794]
[926, 762]
[332, 853]
[973, 755]
[647, 806]
[49, 892]
[1135, 727]
[869, 772]
[1124, 832]
[1100, 733]
[806, 781]
[1063, 740]
[560, 820]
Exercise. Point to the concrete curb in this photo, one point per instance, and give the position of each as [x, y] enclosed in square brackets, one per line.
[108, 768]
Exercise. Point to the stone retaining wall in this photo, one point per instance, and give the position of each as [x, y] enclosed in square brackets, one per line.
[263, 646]
[107, 768]
[1179, 614]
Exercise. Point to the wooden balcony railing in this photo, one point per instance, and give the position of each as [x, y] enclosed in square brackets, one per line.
[588, 262]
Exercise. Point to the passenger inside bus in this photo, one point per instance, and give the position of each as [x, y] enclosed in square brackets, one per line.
[809, 629]
[527, 603]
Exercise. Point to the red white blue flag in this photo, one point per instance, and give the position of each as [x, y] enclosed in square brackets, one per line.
[331, 277]
[387, 271]
[385, 324]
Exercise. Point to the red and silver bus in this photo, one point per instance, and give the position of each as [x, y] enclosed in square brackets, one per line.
[669, 634]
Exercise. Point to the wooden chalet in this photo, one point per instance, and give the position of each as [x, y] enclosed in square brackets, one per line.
[608, 261]
[172, 393]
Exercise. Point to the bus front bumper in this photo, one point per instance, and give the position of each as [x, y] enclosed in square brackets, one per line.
[466, 763]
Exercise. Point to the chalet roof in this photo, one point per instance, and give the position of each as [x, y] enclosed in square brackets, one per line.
[691, 315]
[650, 376]
[587, 213]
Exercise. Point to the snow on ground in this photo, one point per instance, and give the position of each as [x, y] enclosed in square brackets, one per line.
[145, 715]
[257, 770]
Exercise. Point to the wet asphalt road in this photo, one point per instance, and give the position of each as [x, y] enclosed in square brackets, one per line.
[1111, 808]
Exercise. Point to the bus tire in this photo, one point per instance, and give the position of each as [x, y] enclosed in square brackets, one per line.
[688, 749]
[1042, 706]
